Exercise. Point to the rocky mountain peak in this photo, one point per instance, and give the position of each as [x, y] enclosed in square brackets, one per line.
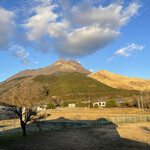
[61, 65]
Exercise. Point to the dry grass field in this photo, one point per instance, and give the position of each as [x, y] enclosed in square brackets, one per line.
[93, 114]
[108, 137]
[120, 134]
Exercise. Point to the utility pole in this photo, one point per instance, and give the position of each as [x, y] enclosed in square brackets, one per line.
[139, 103]
[141, 100]
[90, 102]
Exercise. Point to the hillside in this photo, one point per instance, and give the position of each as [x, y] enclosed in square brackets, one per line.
[121, 82]
[60, 66]
[65, 86]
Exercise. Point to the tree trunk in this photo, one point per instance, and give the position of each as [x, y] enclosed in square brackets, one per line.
[23, 126]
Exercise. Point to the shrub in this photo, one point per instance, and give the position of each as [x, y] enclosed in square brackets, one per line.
[96, 106]
[111, 103]
[51, 106]
[65, 104]
[91, 105]
[82, 105]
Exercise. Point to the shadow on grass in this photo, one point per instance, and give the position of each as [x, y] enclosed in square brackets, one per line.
[146, 129]
[65, 134]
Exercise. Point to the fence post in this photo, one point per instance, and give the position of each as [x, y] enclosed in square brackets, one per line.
[59, 124]
[129, 119]
[75, 123]
[102, 121]
[89, 122]
[67, 124]
[147, 118]
[96, 121]
[49, 125]
[30, 126]
[82, 123]
[108, 120]
[140, 119]
[113, 120]
[3, 128]
[14, 127]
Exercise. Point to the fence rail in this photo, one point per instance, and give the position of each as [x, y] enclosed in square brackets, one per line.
[11, 127]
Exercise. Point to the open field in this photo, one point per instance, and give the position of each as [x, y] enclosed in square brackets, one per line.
[75, 118]
[93, 114]
[135, 136]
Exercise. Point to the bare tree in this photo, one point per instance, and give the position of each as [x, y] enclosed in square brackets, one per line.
[25, 114]
[21, 101]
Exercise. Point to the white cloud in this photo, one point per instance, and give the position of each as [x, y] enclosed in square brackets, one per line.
[7, 26]
[113, 16]
[126, 51]
[85, 31]
[110, 59]
[19, 51]
[130, 11]
[84, 41]
[37, 25]
[81, 31]
[36, 62]
[92, 70]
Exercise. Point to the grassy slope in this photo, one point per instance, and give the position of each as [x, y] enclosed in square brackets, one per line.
[78, 86]
[69, 86]
[72, 83]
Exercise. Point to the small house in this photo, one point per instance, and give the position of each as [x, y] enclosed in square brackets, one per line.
[72, 105]
[119, 101]
[100, 103]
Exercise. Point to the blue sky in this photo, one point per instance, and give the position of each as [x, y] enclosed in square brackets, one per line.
[108, 35]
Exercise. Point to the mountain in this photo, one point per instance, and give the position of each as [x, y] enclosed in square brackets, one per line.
[67, 87]
[121, 82]
[66, 80]
[60, 66]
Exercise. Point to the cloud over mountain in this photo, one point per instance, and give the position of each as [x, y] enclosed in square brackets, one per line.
[126, 51]
[19, 51]
[83, 30]
[7, 26]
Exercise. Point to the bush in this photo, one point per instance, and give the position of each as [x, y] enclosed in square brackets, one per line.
[96, 106]
[91, 105]
[82, 105]
[51, 106]
[123, 105]
[65, 104]
[111, 103]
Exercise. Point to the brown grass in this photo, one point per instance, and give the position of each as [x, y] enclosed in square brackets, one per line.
[108, 137]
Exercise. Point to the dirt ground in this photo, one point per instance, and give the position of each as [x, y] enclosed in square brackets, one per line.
[135, 131]
[128, 136]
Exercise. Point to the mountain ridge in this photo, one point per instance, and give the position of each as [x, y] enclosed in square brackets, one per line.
[120, 81]
[61, 65]
[111, 79]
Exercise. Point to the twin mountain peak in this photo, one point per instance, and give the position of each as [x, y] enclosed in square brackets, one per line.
[61, 65]
[106, 77]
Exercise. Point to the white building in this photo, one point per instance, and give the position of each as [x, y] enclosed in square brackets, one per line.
[72, 105]
[100, 103]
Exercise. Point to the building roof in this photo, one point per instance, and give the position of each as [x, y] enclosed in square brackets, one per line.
[99, 101]
[119, 100]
